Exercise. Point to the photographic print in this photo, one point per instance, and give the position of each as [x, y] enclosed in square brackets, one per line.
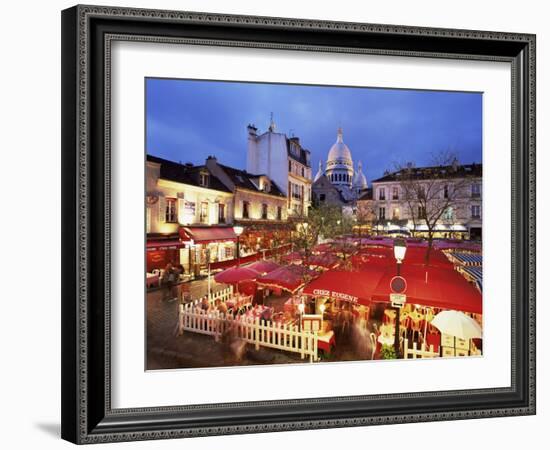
[290, 224]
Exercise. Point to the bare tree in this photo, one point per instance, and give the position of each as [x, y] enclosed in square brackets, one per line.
[435, 194]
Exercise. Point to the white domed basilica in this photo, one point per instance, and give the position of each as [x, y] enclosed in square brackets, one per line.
[340, 172]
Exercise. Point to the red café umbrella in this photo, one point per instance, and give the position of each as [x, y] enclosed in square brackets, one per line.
[290, 278]
[293, 257]
[322, 248]
[264, 266]
[432, 286]
[351, 286]
[235, 275]
[326, 261]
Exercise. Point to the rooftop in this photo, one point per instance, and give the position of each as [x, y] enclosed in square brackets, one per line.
[186, 173]
[432, 172]
[245, 180]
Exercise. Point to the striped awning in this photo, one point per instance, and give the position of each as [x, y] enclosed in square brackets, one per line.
[476, 274]
[467, 259]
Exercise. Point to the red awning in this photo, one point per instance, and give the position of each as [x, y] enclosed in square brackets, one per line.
[417, 255]
[205, 235]
[432, 286]
[165, 244]
[351, 286]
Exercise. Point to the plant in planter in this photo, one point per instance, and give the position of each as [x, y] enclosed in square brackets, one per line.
[388, 352]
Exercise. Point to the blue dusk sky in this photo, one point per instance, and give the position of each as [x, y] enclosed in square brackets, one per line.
[188, 120]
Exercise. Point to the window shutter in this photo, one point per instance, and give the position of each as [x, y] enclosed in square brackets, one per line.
[162, 209]
[181, 210]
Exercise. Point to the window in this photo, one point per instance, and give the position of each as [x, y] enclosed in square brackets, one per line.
[476, 212]
[264, 211]
[322, 197]
[381, 213]
[289, 165]
[204, 178]
[296, 191]
[171, 210]
[476, 190]
[279, 213]
[446, 192]
[382, 194]
[421, 212]
[395, 215]
[303, 172]
[246, 206]
[448, 214]
[221, 213]
[395, 193]
[204, 213]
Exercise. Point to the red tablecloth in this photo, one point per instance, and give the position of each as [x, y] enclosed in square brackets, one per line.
[326, 341]
[435, 340]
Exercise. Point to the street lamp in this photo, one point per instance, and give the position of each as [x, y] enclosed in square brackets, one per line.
[301, 308]
[399, 251]
[238, 230]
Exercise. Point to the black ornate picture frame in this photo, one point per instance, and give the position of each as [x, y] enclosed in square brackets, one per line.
[87, 34]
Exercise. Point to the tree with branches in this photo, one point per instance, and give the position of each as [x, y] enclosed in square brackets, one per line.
[433, 195]
[322, 222]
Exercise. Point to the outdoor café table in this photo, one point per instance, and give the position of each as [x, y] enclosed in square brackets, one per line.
[239, 300]
[325, 341]
[152, 279]
[256, 312]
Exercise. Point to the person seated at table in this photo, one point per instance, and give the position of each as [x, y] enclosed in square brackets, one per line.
[221, 306]
[205, 304]
[266, 314]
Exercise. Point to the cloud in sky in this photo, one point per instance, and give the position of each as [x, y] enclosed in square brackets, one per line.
[187, 120]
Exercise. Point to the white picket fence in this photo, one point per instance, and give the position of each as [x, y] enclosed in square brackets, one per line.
[223, 295]
[416, 352]
[252, 331]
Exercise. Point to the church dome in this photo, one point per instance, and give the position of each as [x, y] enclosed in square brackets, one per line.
[360, 180]
[339, 151]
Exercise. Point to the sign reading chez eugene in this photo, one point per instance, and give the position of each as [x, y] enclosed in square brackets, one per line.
[336, 295]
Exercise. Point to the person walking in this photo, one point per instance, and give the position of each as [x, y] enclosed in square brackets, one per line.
[168, 281]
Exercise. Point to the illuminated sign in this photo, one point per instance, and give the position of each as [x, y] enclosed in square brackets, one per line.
[335, 294]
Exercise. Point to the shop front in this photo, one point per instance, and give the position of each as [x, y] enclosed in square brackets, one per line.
[206, 245]
[163, 250]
